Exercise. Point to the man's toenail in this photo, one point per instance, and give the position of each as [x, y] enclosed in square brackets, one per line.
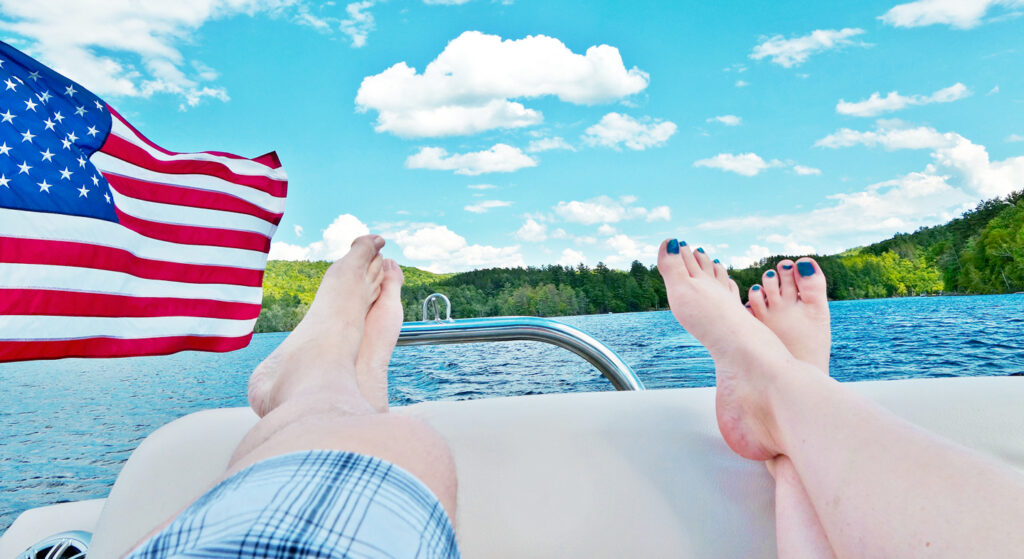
[756, 287]
[805, 268]
[700, 250]
[672, 247]
[770, 273]
[787, 266]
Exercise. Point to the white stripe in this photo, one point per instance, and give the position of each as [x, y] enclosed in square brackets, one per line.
[90, 280]
[37, 328]
[239, 166]
[58, 227]
[193, 217]
[107, 163]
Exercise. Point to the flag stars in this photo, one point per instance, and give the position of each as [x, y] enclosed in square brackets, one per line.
[93, 131]
[34, 76]
[71, 137]
[10, 85]
[106, 196]
[98, 105]
[81, 161]
[49, 124]
[65, 174]
[30, 105]
[27, 136]
[58, 116]
[44, 186]
[8, 117]
[95, 180]
[83, 192]
[80, 111]
[66, 143]
[70, 91]
[5, 149]
[4, 180]
[47, 155]
[23, 168]
[44, 97]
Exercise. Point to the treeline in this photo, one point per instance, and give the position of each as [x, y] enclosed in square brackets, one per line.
[980, 252]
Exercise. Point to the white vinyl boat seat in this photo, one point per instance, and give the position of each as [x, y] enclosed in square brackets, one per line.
[608, 474]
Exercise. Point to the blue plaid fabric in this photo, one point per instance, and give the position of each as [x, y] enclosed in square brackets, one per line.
[318, 503]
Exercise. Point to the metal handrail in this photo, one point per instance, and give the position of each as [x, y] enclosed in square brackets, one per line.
[530, 328]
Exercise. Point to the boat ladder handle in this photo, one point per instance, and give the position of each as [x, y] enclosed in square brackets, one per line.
[431, 303]
[518, 328]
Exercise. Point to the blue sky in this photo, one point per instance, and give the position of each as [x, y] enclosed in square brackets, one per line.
[560, 132]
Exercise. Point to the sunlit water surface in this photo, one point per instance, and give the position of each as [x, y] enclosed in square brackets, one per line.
[67, 426]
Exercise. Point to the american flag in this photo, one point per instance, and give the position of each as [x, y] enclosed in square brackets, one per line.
[112, 246]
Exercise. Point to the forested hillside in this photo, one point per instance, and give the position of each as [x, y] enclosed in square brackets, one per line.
[980, 252]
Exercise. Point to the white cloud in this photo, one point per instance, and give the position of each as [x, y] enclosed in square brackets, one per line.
[605, 229]
[298, 230]
[746, 164]
[616, 129]
[728, 120]
[547, 144]
[993, 91]
[627, 249]
[960, 14]
[961, 174]
[607, 210]
[481, 186]
[571, 257]
[1015, 138]
[500, 158]
[532, 231]
[470, 86]
[485, 205]
[802, 170]
[876, 104]
[753, 255]
[125, 47]
[741, 83]
[792, 52]
[336, 241]
[444, 2]
[443, 250]
[789, 245]
[359, 22]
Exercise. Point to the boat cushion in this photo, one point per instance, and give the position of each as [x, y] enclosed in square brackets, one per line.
[607, 474]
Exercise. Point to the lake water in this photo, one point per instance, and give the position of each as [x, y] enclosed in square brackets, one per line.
[67, 426]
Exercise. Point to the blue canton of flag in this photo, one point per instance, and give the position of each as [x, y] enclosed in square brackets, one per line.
[49, 127]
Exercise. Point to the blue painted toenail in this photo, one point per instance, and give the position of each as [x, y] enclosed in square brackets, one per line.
[787, 266]
[805, 268]
[700, 250]
[756, 287]
[682, 243]
[717, 262]
[770, 273]
[673, 247]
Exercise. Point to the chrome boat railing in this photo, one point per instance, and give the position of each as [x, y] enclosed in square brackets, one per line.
[512, 328]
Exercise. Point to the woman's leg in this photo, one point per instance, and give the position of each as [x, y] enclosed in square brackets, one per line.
[880, 486]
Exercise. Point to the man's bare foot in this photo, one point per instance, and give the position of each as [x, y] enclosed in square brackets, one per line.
[749, 358]
[383, 324]
[326, 343]
[791, 302]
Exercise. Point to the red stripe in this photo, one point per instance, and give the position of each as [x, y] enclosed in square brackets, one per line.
[191, 235]
[113, 347]
[269, 159]
[46, 302]
[187, 196]
[127, 151]
[82, 255]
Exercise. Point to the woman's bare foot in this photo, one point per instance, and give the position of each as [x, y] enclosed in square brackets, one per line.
[325, 344]
[749, 358]
[383, 324]
[792, 303]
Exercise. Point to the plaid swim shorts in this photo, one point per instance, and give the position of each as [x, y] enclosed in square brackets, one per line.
[317, 503]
